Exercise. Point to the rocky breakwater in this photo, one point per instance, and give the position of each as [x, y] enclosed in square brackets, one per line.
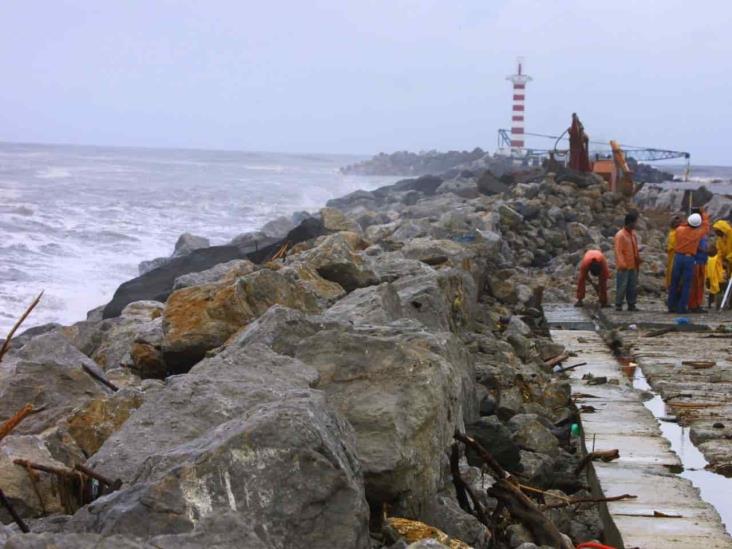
[308, 395]
[654, 197]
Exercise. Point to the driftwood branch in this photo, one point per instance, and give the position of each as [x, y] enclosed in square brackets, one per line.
[13, 513]
[45, 468]
[101, 379]
[484, 454]
[556, 360]
[518, 504]
[457, 480]
[11, 333]
[660, 331]
[604, 455]
[13, 422]
[568, 368]
[524, 510]
[575, 501]
[91, 473]
[463, 490]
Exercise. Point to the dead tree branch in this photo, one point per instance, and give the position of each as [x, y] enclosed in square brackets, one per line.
[604, 455]
[7, 427]
[11, 333]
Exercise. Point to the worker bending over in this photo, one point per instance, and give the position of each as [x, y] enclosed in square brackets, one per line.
[688, 237]
[593, 263]
[627, 264]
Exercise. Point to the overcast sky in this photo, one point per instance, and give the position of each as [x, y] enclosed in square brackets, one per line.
[362, 76]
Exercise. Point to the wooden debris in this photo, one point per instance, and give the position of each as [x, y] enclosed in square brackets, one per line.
[699, 364]
[45, 468]
[660, 331]
[113, 485]
[524, 510]
[13, 513]
[556, 360]
[6, 344]
[693, 405]
[577, 501]
[281, 252]
[463, 490]
[13, 422]
[507, 491]
[568, 368]
[484, 454]
[604, 455]
[99, 378]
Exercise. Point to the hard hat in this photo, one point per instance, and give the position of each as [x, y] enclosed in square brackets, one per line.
[695, 220]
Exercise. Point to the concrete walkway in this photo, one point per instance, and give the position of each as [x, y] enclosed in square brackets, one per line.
[646, 463]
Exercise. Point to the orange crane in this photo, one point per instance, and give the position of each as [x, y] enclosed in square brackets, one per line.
[616, 171]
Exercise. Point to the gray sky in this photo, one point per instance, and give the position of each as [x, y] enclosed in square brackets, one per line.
[363, 76]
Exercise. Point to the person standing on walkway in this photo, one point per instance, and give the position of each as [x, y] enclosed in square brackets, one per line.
[593, 263]
[716, 277]
[688, 237]
[627, 264]
[699, 278]
[723, 233]
[671, 249]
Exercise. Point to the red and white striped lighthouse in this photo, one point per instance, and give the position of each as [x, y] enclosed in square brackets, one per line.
[519, 104]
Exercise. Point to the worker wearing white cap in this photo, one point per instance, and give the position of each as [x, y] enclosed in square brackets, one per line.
[688, 236]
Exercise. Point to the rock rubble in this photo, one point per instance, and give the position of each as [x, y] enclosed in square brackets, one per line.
[296, 398]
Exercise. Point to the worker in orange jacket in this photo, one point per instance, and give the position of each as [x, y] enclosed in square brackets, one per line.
[593, 263]
[627, 264]
[688, 237]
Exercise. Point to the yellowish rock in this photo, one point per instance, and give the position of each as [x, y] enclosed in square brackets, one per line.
[413, 530]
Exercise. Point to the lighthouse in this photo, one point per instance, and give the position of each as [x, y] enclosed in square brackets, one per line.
[519, 81]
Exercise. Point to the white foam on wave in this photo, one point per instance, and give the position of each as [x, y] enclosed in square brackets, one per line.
[53, 173]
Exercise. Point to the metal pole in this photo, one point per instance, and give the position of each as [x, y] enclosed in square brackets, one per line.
[726, 295]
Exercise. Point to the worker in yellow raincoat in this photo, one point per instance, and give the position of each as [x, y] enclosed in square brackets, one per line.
[671, 248]
[723, 231]
[716, 276]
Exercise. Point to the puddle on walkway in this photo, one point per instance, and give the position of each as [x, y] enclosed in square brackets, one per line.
[715, 489]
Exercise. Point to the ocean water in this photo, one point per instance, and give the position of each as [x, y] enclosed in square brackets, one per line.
[77, 221]
[717, 179]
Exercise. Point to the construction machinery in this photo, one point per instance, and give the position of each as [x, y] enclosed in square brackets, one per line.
[611, 164]
[615, 171]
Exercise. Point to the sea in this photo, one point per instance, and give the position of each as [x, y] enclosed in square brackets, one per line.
[76, 221]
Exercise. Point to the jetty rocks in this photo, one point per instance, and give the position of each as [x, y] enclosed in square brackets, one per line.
[301, 387]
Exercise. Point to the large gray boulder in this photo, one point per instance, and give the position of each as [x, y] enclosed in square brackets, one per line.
[441, 300]
[373, 305]
[223, 272]
[404, 391]
[337, 258]
[185, 244]
[278, 228]
[47, 373]
[200, 318]
[281, 329]
[188, 242]
[241, 440]
[465, 188]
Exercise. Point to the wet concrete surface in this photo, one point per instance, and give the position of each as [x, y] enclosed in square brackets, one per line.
[657, 464]
[653, 314]
[692, 372]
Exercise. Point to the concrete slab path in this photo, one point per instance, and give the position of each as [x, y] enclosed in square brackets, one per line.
[647, 463]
